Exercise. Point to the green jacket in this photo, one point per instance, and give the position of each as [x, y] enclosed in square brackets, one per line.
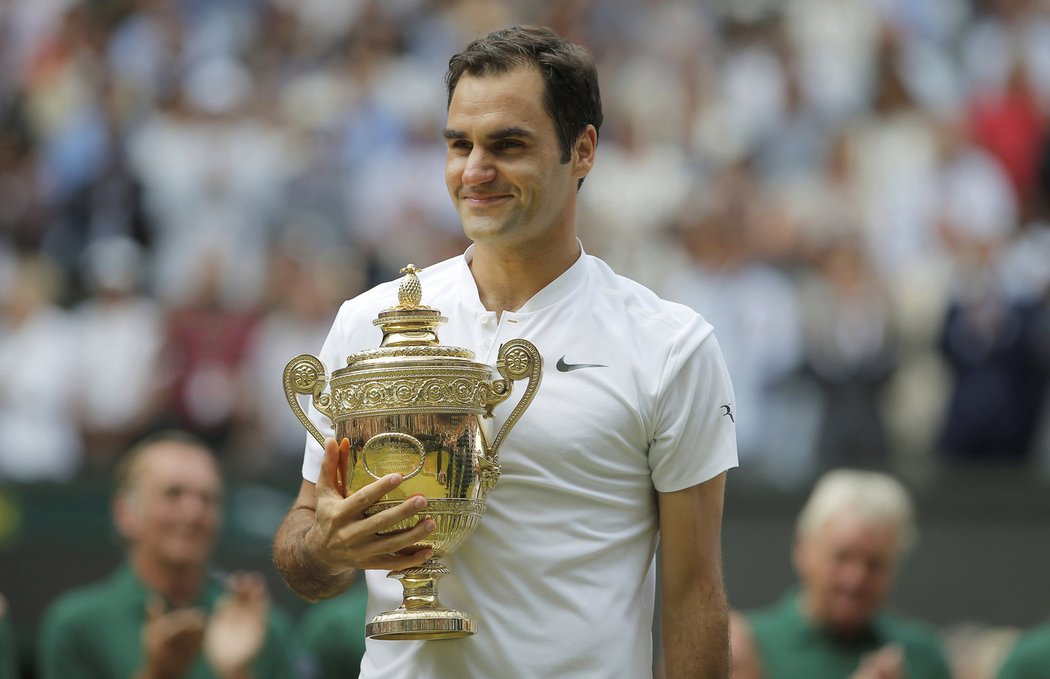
[1030, 658]
[332, 634]
[96, 632]
[792, 648]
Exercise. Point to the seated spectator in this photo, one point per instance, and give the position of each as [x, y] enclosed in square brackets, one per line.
[332, 634]
[851, 536]
[1030, 657]
[165, 613]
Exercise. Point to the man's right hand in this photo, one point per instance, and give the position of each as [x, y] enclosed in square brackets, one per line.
[342, 537]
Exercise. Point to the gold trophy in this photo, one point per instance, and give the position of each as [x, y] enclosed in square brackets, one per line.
[415, 407]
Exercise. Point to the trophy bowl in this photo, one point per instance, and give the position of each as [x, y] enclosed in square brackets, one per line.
[415, 407]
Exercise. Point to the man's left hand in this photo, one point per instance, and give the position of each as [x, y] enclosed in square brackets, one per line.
[237, 628]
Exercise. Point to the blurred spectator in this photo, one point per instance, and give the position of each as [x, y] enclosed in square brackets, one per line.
[993, 345]
[835, 43]
[8, 647]
[39, 437]
[851, 536]
[850, 353]
[332, 634]
[120, 333]
[23, 211]
[165, 613]
[217, 187]
[893, 157]
[205, 348]
[1010, 125]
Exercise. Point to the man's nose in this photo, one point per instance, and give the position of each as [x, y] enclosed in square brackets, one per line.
[478, 168]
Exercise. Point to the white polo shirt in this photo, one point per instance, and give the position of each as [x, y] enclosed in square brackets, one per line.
[635, 399]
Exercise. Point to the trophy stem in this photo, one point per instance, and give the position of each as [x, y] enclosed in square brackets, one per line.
[420, 615]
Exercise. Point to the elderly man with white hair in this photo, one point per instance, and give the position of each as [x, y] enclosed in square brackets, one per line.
[850, 538]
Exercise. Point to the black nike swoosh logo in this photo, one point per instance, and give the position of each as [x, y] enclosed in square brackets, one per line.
[564, 367]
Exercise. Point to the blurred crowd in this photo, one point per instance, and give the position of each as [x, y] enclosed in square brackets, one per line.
[855, 193]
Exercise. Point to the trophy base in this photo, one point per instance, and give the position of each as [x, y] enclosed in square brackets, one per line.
[425, 624]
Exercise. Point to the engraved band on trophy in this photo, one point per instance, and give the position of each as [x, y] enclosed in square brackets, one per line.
[414, 406]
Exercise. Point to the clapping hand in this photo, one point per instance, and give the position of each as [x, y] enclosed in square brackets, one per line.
[237, 628]
[885, 663]
[171, 640]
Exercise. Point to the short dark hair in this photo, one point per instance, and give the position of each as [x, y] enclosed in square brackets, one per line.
[570, 78]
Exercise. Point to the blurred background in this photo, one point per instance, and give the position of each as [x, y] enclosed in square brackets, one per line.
[856, 193]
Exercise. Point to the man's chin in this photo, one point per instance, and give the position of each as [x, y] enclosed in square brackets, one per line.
[188, 557]
[847, 623]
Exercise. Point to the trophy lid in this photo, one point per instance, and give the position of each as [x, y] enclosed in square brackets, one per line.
[410, 328]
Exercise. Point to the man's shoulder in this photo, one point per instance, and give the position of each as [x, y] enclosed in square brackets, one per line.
[777, 618]
[82, 605]
[638, 301]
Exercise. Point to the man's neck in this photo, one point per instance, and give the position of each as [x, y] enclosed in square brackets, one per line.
[507, 279]
[178, 585]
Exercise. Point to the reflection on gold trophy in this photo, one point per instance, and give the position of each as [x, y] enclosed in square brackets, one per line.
[414, 406]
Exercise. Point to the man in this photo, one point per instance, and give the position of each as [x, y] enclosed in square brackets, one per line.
[163, 615]
[627, 440]
[850, 538]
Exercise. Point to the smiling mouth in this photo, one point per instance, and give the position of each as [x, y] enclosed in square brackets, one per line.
[484, 201]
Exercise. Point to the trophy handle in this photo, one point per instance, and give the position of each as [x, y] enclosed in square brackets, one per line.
[305, 374]
[517, 360]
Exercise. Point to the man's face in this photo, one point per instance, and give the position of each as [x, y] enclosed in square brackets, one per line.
[503, 169]
[846, 568]
[172, 514]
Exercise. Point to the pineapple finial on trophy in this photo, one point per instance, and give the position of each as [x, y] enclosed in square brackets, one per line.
[410, 293]
[410, 323]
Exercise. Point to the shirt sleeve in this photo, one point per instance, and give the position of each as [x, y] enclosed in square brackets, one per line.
[694, 434]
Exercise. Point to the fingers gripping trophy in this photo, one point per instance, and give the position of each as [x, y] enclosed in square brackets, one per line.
[415, 407]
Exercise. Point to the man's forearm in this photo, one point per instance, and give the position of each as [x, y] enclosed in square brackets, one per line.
[302, 572]
[696, 634]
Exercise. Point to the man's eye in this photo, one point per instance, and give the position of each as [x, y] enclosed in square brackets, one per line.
[505, 144]
[460, 145]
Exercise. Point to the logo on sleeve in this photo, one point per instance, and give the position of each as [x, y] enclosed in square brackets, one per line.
[564, 367]
[727, 409]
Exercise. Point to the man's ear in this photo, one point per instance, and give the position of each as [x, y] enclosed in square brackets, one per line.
[125, 516]
[584, 151]
[800, 555]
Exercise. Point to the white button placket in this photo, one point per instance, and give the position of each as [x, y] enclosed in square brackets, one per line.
[488, 330]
